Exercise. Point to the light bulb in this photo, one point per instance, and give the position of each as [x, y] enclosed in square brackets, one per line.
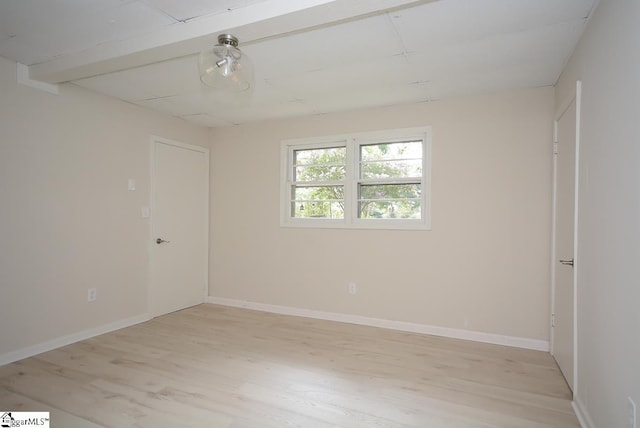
[227, 66]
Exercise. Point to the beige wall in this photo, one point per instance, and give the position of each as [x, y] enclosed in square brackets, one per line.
[67, 221]
[484, 266]
[608, 63]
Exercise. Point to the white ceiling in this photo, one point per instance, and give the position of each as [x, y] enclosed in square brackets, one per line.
[310, 56]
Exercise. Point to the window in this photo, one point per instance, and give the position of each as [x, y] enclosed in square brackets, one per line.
[369, 180]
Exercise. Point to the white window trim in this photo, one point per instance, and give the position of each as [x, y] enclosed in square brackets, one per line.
[352, 142]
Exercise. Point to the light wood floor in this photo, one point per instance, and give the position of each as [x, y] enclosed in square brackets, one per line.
[212, 366]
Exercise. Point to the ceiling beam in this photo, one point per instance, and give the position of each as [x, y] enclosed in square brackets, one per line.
[267, 19]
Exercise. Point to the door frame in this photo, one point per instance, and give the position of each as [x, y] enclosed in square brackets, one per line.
[577, 96]
[154, 140]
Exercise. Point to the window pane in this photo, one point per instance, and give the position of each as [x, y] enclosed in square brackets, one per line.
[390, 191]
[391, 151]
[408, 209]
[320, 173]
[391, 160]
[311, 156]
[318, 193]
[391, 169]
[318, 201]
[318, 209]
[320, 164]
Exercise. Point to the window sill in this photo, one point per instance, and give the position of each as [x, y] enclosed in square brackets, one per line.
[307, 223]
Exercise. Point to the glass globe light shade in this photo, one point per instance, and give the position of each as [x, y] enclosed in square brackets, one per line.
[225, 67]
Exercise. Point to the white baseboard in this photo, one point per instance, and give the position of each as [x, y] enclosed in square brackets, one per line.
[582, 414]
[476, 336]
[518, 342]
[49, 345]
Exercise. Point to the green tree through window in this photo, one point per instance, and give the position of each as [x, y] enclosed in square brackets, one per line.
[390, 180]
[319, 175]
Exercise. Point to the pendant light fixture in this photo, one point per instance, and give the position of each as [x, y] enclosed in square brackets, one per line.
[225, 67]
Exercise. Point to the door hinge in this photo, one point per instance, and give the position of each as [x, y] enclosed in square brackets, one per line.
[553, 320]
[555, 147]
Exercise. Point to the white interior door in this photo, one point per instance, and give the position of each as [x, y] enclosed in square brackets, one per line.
[564, 289]
[180, 219]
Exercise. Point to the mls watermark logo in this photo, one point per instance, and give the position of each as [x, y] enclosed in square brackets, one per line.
[24, 419]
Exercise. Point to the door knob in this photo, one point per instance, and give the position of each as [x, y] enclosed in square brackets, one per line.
[567, 262]
[161, 241]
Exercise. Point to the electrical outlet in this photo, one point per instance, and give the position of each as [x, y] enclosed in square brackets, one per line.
[353, 288]
[92, 294]
[632, 413]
